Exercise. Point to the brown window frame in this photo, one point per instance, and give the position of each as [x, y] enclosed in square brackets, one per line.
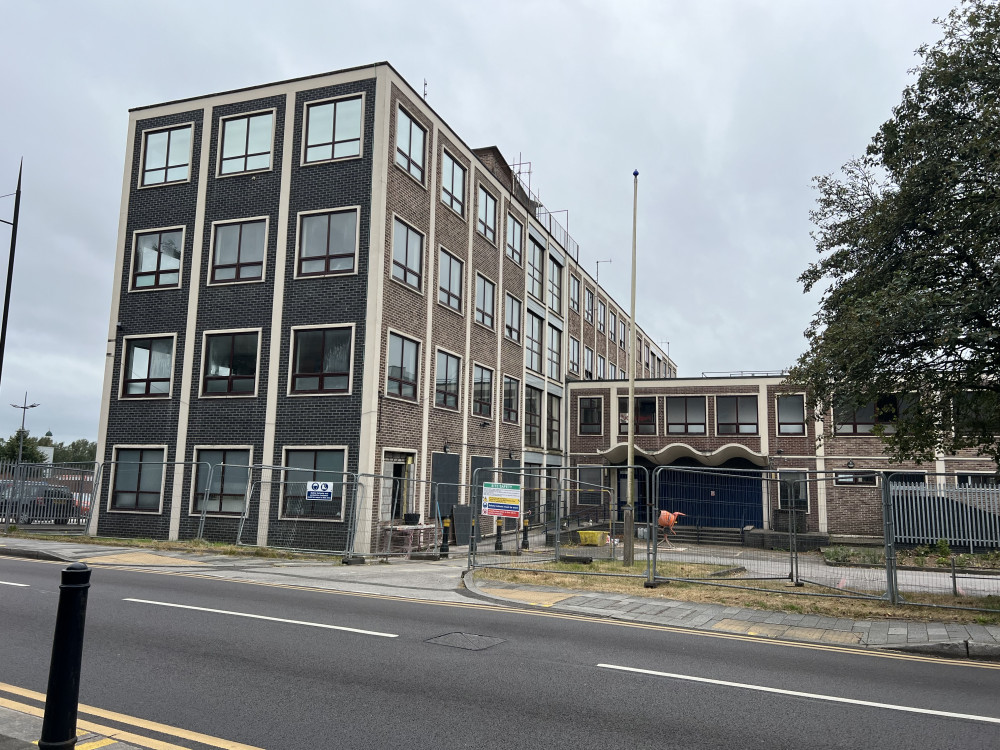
[245, 155]
[167, 166]
[739, 425]
[553, 421]
[456, 202]
[482, 391]
[223, 467]
[688, 422]
[115, 491]
[401, 268]
[511, 401]
[230, 379]
[641, 427]
[330, 257]
[532, 419]
[534, 343]
[446, 295]
[404, 158]
[159, 271]
[239, 265]
[148, 381]
[448, 392]
[333, 143]
[395, 385]
[298, 374]
[514, 248]
[783, 425]
[512, 322]
[484, 316]
[589, 406]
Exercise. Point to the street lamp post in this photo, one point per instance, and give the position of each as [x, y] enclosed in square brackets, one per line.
[628, 553]
[24, 412]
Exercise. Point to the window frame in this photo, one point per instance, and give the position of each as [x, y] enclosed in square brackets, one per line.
[602, 315]
[477, 402]
[398, 152]
[581, 410]
[210, 281]
[304, 161]
[553, 353]
[515, 254]
[534, 348]
[553, 421]
[623, 426]
[518, 319]
[588, 357]
[793, 501]
[289, 389]
[555, 285]
[574, 356]
[180, 263]
[438, 390]
[452, 199]
[282, 516]
[622, 333]
[517, 400]
[448, 292]
[390, 332]
[588, 305]
[123, 366]
[887, 420]
[221, 159]
[407, 270]
[297, 272]
[482, 314]
[855, 478]
[486, 199]
[194, 494]
[601, 371]
[535, 274]
[687, 423]
[777, 416]
[113, 483]
[574, 293]
[144, 137]
[739, 423]
[533, 421]
[205, 336]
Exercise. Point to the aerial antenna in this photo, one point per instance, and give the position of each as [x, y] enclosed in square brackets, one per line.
[425, 89]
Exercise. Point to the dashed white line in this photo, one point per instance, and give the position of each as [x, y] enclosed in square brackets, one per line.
[797, 694]
[19, 585]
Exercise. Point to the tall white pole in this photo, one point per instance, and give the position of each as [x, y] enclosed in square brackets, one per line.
[629, 551]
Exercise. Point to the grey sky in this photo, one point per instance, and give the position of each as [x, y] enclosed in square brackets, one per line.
[727, 108]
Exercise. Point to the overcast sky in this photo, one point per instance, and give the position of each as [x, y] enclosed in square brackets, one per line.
[728, 109]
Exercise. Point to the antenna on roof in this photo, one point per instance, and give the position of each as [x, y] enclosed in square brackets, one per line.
[425, 89]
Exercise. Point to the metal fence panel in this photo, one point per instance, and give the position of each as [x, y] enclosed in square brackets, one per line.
[51, 497]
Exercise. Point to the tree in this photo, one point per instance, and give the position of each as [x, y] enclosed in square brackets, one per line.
[909, 236]
[79, 451]
[29, 454]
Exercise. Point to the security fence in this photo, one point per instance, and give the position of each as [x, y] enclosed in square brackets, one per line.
[53, 497]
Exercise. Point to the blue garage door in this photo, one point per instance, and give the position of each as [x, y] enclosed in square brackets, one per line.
[719, 498]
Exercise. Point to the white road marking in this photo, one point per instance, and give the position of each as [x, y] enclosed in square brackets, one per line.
[831, 698]
[265, 617]
[8, 583]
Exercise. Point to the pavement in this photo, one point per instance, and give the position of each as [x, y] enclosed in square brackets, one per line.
[448, 580]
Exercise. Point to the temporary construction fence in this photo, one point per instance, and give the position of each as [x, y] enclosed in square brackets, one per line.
[60, 496]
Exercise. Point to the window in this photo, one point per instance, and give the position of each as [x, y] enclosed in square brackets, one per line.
[230, 364]
[514, 230]
[533, 343]
[148, 366]
[553, 417]
[512, 318]
[736, 415]
[482, 391]
[574, 293]
[407, 254]
[613, 372]
[555, 286]
[532, 417]
[646, 347]
[230, 475]
[612, 325]
[857, 480]
[511, 399]
[535, 270]
[167, 156]
[588, 307]
[449, 281]
[484, 301]
[305, 466]
[588, 363]
[487, 223]
[402, 367]
[446, 383]
[246, 143]
[333, 130]
[600, 367]
[686, 415]
[410, 145]
[157, 260]
[791, 415]
[555, 352]
[238, 252]
[321, 360]
[622, 333]
[328, 243]
[792, 492]
[452, 183]
[862, 420]
[978, 480]
[645, 421]
[590, 416]
[602, 312]
[591, 483]
[574, 355]
[138, 479]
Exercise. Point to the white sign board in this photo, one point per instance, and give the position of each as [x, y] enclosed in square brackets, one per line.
[319, 491]
[502, 500]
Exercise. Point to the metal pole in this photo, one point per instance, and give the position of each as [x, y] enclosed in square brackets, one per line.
[63, 694]
[10, 265]
[628, 551]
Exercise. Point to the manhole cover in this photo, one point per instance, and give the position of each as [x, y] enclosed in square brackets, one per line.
[467, 641]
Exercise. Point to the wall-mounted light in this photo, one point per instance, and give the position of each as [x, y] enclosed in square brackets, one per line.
[850, 464]
[445, 447]
[484, 424]
[510, 455]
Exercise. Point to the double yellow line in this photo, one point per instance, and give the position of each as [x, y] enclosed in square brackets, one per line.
[115, 734]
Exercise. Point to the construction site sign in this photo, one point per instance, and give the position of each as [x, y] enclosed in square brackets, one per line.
[502, 500]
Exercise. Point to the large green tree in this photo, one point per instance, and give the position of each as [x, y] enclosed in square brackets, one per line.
[909, 238]
[29, 450]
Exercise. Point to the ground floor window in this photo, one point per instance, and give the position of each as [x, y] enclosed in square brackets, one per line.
[138, 480]
[230, 474]
[306, 467]
[793, 491]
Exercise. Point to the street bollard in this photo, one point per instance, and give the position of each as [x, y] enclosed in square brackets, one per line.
[63, 694]
[524, 541]
[446, 522]
[472, 534]
[499, 543]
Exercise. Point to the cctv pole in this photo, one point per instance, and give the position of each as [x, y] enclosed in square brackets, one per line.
[629, 550]
[10, 265]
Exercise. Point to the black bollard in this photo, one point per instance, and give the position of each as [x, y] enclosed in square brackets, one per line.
[524, 541]
[499, 543]
[446, 522]
[63, 694]
[472, 534]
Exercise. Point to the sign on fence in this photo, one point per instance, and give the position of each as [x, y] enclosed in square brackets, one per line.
[501, 499]
[319, 491]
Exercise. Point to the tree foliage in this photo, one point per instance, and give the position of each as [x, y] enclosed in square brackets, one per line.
[909, 238]
[29, 452]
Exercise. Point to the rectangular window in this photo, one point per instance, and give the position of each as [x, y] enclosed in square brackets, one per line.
[487, 221]
[791, 415]
[978, 480]
[514, 231]
[321, 360]
[590, 416]
[238, 252]
[167, 156]
[622, 334]
[512, 318]
[602, 313]
[333, 130]
[588, 306]
[612, 325]
[485, 291]
[532, 417]
[230, 364]
[138, 479]
[862, 421]
[452, 183]
[148, 365]
[533, 343]
[246, 143]
[410, 139]
[686, 415]
[646, 347]
[402, 367]
[600, 367]
[793, 493]
[482, 391]
[230, 476]
[536, 271]
[613, 372]
[449, 280]
[304, 467]
[328, 243]
[574, 293]
[645, 421]
[857, 480]
[588, 363]
[736, 415]
[574, 355]
[555, 286]
[407, 254]
[511, 399]
[555, 351]
[553, 419]
[157, 260]
[446, 382]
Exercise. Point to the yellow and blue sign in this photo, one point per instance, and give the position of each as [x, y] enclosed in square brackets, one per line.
[502, 500]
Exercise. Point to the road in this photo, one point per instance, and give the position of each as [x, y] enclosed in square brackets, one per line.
[285, 667]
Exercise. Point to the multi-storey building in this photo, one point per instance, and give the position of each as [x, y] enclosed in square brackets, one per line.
[320, 274]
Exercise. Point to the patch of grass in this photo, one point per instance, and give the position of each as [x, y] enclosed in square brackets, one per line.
[933, 558]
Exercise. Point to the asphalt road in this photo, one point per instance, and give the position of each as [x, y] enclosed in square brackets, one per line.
[332, 669]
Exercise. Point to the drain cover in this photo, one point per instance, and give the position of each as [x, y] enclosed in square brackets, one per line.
[467, 641]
